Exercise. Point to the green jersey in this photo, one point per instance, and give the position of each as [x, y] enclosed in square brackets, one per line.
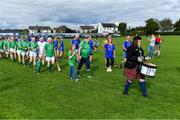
[24, 45]
[49, 50]
[18, 45]
[33, 46]
[6, 44]
[72, 60]
[13, 44]
[85, 49]
[38, 64]
[1, 44]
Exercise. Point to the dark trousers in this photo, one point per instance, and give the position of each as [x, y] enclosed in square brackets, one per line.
[109, 62]
[84, 61]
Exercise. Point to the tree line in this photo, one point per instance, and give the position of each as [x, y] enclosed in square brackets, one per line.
[152, 26]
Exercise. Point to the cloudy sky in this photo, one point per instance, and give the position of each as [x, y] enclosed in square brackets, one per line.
[22, 13]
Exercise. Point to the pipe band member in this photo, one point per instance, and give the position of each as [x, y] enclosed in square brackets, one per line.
[135, 56]
[83, 55]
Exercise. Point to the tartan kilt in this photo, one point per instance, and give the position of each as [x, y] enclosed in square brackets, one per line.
[133, 74]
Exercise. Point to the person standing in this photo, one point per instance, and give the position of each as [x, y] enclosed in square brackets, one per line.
[76, 41]
[7, 46]
[72, 63]
[1, 47]
[41, 52]
[91, 50]
[109, 54]
[83, 56]
[24, 49]
[135, 56]
[158, 45]
[49, 53]
[12, 48]
[60, 48]
[127, 43]
[151, 46]
[18, 49]
[33, 48]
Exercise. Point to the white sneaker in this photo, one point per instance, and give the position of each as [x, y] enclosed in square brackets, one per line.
[110, 70]
[147, 58]
[107, 69]
[76, 80]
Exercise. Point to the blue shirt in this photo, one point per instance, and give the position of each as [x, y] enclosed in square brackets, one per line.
[127, 44]
[55, 44]
[76, 43]
[91, 46]
[109, 50]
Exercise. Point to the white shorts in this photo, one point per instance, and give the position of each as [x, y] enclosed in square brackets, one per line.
[18, 52]
[48, 59]
[7, 50]
[41, 55]
[1, 50]
[32, 54]
[23, 53]
[12, 50]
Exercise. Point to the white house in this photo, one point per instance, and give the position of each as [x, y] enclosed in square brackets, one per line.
[39, 29]
[86, 29]
[106, 28]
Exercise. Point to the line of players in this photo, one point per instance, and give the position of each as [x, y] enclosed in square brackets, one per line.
[35, 52]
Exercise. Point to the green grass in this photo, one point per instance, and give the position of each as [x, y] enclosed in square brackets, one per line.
[23, 94]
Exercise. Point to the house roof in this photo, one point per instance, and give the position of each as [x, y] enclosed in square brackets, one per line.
[87, 27]
[9, 31]
[109, 25]
[60, 28]
[39, 27]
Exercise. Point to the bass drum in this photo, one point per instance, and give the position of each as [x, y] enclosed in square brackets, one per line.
[149, 69]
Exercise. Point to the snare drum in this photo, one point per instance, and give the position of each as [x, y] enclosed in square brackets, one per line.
[149, 69]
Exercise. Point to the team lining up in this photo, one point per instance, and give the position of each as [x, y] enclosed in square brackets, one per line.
[36, 53]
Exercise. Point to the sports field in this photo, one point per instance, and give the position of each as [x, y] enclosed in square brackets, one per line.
[24, 94]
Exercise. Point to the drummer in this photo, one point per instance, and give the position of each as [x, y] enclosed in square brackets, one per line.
[135, 56]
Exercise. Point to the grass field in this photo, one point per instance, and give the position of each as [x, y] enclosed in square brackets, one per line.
[23, 94]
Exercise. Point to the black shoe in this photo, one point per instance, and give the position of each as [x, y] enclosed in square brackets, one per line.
[125, 93]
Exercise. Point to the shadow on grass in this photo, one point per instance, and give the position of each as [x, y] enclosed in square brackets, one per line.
[8, 87]
[178, 69]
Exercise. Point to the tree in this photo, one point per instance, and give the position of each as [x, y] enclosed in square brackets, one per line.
[122, 28]
[137, 30]
[166, 25]
[177, 25]
[151, 26]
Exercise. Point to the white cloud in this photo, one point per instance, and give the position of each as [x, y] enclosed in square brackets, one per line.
[18, 13]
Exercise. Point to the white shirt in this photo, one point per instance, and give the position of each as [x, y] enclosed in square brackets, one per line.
[41, 47]
[152, 41]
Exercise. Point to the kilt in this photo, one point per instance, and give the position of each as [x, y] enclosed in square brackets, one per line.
[133, 74]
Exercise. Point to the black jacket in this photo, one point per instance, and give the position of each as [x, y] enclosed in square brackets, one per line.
[133, 52]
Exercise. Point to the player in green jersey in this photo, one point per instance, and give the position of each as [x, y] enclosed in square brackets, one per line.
[7, 46]
[49, 52]
[33, 47]
[12, 48]
[72, 62]
[38, 65]
[83, 55]
[18, 51]
[1, 47]
[24, 49]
